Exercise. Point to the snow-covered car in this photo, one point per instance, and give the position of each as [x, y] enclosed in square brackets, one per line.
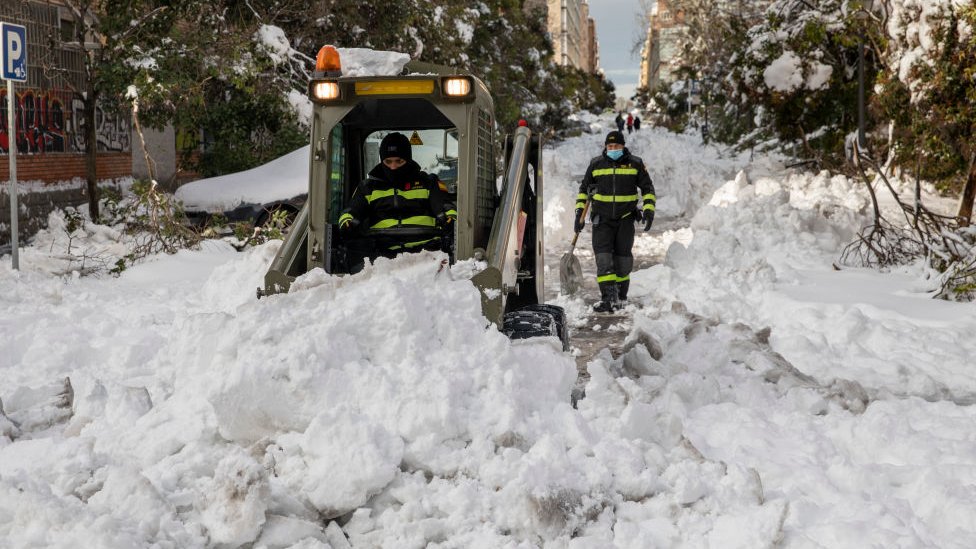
[252, 195]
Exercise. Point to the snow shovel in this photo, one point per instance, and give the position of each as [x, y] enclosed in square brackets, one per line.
[570, 270]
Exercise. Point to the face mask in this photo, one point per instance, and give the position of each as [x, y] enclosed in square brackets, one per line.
[615, 155]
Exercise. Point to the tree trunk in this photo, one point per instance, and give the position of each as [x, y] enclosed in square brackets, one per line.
[968, 194]
[91, 154]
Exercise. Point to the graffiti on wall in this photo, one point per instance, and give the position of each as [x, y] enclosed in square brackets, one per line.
[112, 132]
[40, 120]
[45, 125]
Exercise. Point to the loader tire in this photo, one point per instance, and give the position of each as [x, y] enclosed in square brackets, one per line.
[537, 321]
[559, 316]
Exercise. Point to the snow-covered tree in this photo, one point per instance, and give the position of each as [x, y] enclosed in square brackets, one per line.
[106, 33]
[929, 92]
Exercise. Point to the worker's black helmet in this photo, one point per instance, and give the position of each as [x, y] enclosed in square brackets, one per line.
[396, 144]
[614, 137]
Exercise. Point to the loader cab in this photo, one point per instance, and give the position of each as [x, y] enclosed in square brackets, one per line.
[450, 121]
[449, 118]
[354, 144]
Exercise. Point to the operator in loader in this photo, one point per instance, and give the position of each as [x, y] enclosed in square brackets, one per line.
[613, 183]
[403, 208]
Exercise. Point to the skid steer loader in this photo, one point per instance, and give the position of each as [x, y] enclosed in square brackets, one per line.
[451, 123]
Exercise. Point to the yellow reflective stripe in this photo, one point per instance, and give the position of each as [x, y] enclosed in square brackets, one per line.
[615, 197]
[624, 278]
[606, 278]
[421, 220]
[410, 195]
[649, 207]
[581, 196]
[413, 244]
[344, 217]
[612, 171]
[376, 195]
[650, 196]
[451, 212]
[414, 194]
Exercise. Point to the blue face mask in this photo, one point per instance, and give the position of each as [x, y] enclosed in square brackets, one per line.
[615, 155]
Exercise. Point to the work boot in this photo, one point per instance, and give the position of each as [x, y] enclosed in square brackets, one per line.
[608, 298]
[622, 288]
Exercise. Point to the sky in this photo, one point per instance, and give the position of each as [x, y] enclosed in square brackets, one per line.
[758, 396]
[618, 27]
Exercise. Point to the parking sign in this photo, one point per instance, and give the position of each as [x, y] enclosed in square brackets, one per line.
[13, 52]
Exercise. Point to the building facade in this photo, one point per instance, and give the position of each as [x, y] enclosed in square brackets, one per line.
[660, 54]
[572, 30]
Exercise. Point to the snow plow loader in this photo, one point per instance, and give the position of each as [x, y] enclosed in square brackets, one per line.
[451, 123]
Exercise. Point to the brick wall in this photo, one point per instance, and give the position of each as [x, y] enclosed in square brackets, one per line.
[50, 167]
[54, 167]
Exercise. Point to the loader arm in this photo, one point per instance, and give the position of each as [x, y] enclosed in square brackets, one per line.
[514, 252]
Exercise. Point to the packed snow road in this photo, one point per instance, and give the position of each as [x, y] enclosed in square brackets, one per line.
[754, 398]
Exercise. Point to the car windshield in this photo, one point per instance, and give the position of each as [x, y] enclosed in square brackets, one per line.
[436, 151]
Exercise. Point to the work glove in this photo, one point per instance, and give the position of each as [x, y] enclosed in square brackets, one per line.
[637, 216]
[579, 221]
[347, 222]
[648, 219]
[445, 219]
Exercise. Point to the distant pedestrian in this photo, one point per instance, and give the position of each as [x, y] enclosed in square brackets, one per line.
[637, 123]
[620, 122]
[630, 123]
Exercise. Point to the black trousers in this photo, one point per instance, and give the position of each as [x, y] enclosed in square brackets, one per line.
[613, 241]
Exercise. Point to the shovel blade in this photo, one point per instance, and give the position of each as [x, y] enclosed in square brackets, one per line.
[570, 274]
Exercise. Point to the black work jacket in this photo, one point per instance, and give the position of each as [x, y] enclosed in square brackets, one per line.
[615, 186]
[403, 198]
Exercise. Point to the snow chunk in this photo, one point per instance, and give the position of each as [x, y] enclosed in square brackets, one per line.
[367, 62]
[275, 42]
[233, 505]
[349, 458]
[785, 73]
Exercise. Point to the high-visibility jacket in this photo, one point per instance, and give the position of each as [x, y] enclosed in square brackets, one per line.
[410, 198]
[614, 187]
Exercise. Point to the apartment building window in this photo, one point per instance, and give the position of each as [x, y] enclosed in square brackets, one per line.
[666, 16]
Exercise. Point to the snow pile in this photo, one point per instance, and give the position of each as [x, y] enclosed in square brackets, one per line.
[382, 394]
[763, 253]
[752, 237]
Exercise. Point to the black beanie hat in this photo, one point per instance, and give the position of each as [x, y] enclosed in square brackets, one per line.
[614, 137]
[396, 144]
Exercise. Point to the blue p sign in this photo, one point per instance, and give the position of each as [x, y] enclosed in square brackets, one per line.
[13, 52]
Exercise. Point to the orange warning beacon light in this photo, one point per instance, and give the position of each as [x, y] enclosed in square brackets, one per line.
[327, 61]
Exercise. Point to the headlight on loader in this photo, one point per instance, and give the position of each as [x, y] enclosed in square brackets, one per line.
[456, 87]
[325, 91]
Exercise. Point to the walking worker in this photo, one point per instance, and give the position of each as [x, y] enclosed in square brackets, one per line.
[630, 122]
[619, 121]
[404, 208]
[636, 123]
[613, 183]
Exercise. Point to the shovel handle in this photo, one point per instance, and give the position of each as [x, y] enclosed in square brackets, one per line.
[582, 216]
